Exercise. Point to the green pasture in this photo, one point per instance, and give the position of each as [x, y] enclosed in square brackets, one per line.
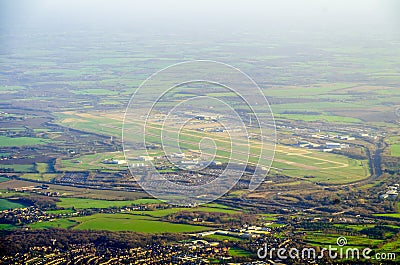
[95, 92]
[7, 227]
[312, 118]
[19, 168]
[135, 223]
[6, 141]
[392, 215]
[10, 204]
[56, 223]
[237, 252]
[322, 239]
[93, 162]
[98, 124]
[395, 150]
[4, 179]
[66, 211]
[205, 208]
[82, 203]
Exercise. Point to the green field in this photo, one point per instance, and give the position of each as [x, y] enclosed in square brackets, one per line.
[311, 118]
[6, 226]
[57, 223]
[4, 179]
[81, 203]
[21, 141]
[66, 211]
[395, 150]
[42, 167]
[135, 223]
[237, 252]
[392, 215]
[93, 162]
[39, 176]
[19, 168]
[10, 204]
[322, 239]
[97, 123]
[95, 92]
[205, 208]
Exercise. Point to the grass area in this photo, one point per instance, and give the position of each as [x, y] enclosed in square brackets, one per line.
[223, 238]
[205, 208]
[393, 246]
[135, 223]
[4, 179]
[19, 168]
[322, 239]
[95, 92]
[94, 122]
[237, 252]
[42, 167]
[295, 162]
[319, 166]
[275, 225]
[357, 227]
[39, 177]
[395, 150]
[268, 217]
[392, 215]
[308, 91]
[379, 246]
[57, 223]
[81, 203]
[312, 118]
[10, 89]
[146, 201]
[7, 226]
[66, 211]
[10, 204]
[21, 141]
[93, 162]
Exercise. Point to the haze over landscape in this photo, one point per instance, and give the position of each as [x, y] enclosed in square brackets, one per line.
[268, 124]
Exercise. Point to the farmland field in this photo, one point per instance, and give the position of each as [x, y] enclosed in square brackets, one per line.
[4, 179]
[18, 168]
[93, 162]
[80, 203]
[10, 204]
[21, 141]
[392, 215]
[237, 252]
[58, 223]
[395, 150]
[136, 223]
[165, 212]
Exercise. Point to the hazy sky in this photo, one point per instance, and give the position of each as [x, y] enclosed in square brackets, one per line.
[334, 15]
